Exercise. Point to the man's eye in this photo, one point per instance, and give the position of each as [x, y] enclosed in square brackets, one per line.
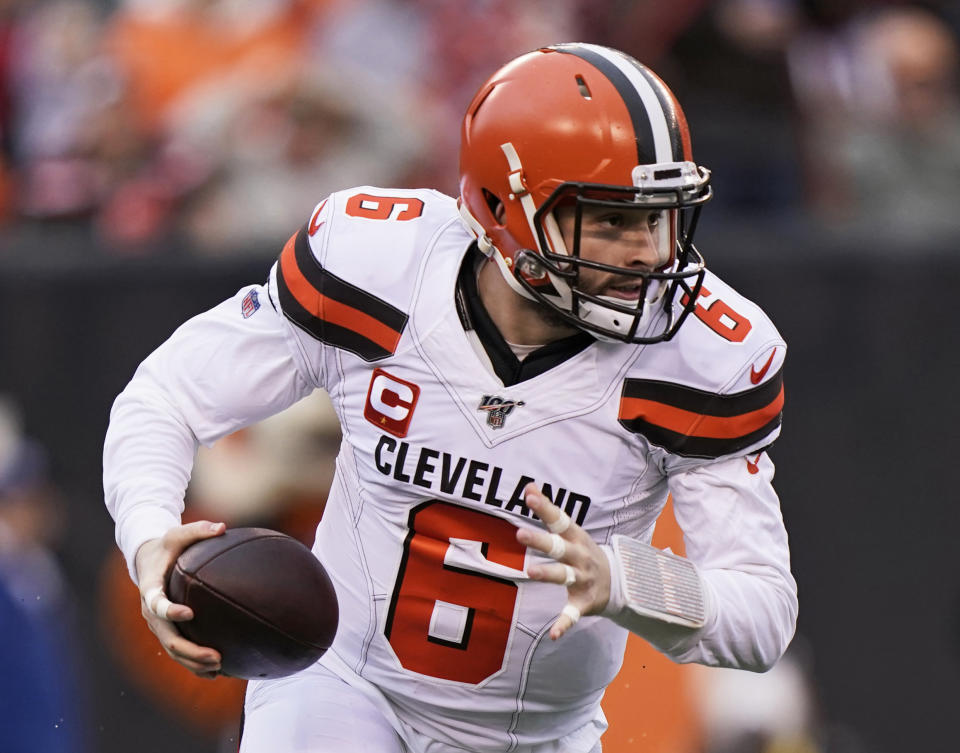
[654, 219]
[612, 220]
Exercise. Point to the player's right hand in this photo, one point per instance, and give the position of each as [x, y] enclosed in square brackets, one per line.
[154, 560]
[582, 566]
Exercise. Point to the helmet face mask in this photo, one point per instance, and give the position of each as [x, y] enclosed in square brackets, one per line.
[585, 127]
[681, 272]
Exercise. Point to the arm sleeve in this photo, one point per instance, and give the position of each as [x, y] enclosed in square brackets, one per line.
[217, 373]
[734, 533]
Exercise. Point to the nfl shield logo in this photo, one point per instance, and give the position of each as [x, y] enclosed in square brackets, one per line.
[250, 304]
[497, 409]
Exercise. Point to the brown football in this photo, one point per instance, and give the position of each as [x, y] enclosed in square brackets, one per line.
[259, 597]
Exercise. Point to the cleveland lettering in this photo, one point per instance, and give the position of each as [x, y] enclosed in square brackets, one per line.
[469, 479]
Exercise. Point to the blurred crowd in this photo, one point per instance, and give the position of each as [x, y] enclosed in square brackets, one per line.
[214, 126]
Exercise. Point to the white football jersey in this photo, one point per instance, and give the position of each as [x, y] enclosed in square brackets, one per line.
[419, 533]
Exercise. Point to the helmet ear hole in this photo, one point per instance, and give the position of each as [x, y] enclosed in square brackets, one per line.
[495, 206]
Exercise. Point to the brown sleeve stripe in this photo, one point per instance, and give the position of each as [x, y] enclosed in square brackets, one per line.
[695, 423]
[331, 310]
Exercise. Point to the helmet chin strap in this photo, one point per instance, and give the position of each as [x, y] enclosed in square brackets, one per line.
[484, 242]
[487, 247]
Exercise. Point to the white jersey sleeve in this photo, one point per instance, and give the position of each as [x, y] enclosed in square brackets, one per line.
[258, 353]
[224, 369]
[707, 406]
[346, 283]
[734, 532]
[723, 493]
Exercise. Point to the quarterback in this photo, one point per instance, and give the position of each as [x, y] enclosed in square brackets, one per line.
[523, 375]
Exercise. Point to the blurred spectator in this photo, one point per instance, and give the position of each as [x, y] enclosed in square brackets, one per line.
[275, 473]
[732, 77]
[215, 125]
[60, 85]
[268, 123]
[167, 47]
[8, 15]
[646, 29]
[433, 54]
[39, 699]
[177, 54]
[279, 145]
[91, 96]
[77, 153]
[881, 114]
[774, 712]
[363, 96]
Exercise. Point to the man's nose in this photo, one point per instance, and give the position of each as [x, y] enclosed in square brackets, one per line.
[641, 249]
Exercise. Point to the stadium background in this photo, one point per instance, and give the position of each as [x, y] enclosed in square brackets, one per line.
[861, 289]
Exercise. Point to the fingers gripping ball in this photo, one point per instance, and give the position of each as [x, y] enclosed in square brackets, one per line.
[259, 597]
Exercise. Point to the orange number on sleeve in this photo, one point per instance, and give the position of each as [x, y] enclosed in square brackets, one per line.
[382, 207]
[445, 621]
[722, 319]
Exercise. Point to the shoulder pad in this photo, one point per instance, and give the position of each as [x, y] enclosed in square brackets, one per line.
[347, 276]
[717, 388]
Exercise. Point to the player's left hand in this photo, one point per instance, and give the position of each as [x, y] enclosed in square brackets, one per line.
[580, 564]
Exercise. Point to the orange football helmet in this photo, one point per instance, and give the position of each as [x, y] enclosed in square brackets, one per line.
[591, 126]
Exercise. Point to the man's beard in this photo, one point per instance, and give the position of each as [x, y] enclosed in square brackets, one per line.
[553, 318]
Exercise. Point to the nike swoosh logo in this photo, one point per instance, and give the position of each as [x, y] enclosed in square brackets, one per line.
[756, 376]
[314, 224]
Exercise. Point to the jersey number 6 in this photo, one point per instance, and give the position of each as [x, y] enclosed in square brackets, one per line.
[722, 319]
[444, 620]
[384, 207]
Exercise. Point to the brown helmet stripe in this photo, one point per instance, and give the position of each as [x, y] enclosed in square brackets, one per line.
[614, 66]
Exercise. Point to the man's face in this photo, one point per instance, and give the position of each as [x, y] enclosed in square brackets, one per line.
[632, 237]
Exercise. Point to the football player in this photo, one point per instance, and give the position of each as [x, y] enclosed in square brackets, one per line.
[523, 375]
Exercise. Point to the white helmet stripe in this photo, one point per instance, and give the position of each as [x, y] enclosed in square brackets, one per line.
[516, 185]
[551, 229]
[526, 200]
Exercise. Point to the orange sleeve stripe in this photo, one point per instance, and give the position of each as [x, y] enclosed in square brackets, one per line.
[692, 424]
[327, 309]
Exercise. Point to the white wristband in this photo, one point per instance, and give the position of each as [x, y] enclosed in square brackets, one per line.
[654, 584]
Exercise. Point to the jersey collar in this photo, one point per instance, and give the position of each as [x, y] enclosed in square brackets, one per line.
[508, 368]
